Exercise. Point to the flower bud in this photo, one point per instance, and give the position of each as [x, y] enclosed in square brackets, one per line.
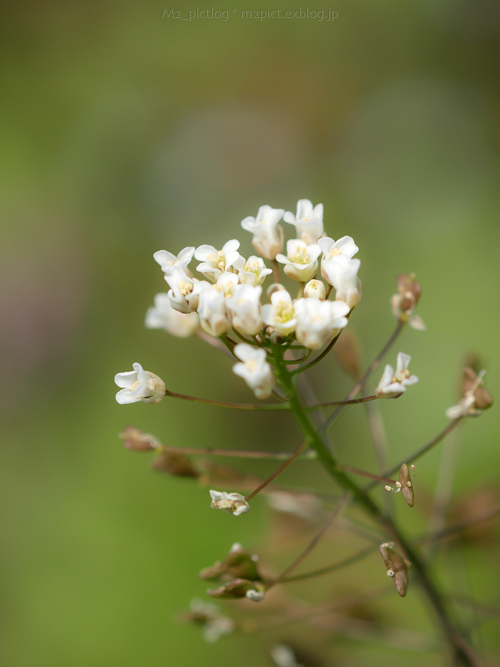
[403, 303]
[315, 288]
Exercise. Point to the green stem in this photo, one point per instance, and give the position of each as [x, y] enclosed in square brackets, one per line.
[462, 652]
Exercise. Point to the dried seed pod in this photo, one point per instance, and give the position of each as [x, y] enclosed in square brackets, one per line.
[238, 563]
[137, 441]
[397, 567]
[178, 465]
[405, 479]
[239, 588]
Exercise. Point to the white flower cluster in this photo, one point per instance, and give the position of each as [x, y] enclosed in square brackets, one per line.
[229, 292]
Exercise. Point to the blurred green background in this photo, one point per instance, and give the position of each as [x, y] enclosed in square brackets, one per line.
[122, 133]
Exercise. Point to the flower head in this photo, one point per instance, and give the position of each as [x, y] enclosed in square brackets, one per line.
[255, 370]
[267, 236]
[234, 503]
[308, 221]
[139, 385]
[393, 384]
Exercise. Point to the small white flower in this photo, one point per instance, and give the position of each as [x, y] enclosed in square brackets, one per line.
[139, 385]
[214, 319]
[319, 321]
[330, 248]
[301, 262]
[267, 236]
[315, 289]
[308, 221]
[168, 261]
[253, 272]
[279, 314]
[226, 284]
[163, 316]
[185, 291]
[255, 370]
[245, 309]
[394, 384]
[342, 273]
[234, 503]
[215, 262]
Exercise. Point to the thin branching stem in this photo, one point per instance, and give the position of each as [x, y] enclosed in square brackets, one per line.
[423, 450]
[365, 473]
[278, 472]
[455, 528]
[276, 271]
[246, 340]
[462, 652]
[224, 404]
[444, 488]
[311, 546]
[321, 356]
[353, 401]
[234, 453]
[330, 568]
[371, 369]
